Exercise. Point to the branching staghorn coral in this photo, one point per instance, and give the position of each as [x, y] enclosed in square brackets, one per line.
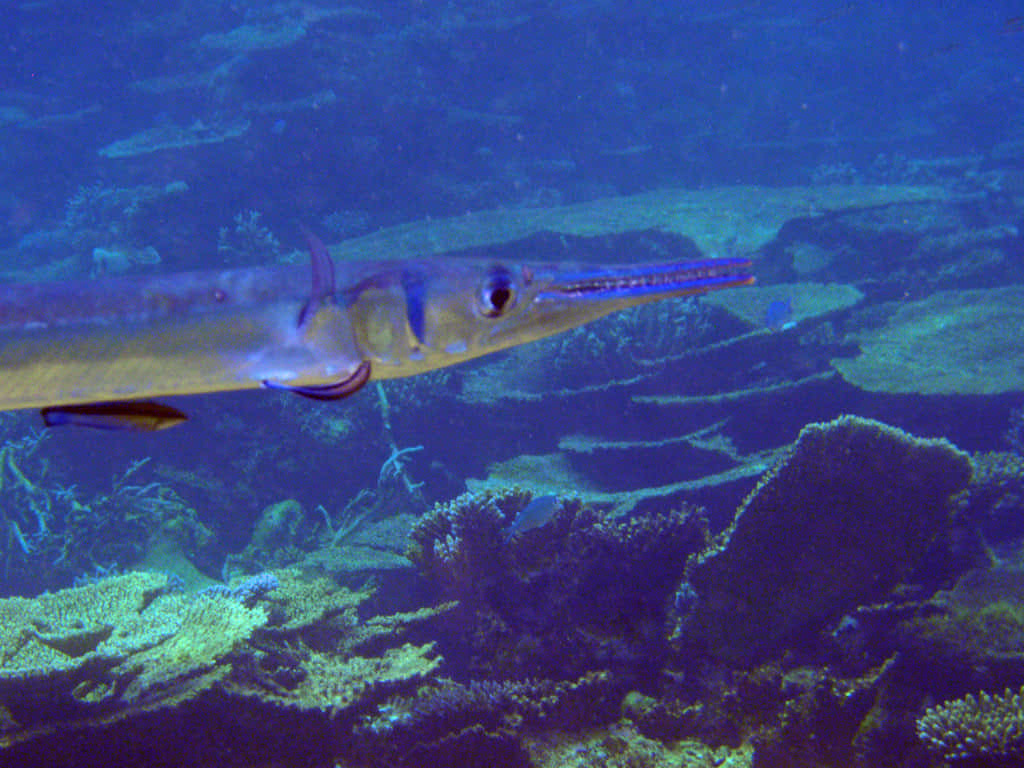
[53, 533]
[982, 726]
[26, 508]
[580, 592]
[249, 241]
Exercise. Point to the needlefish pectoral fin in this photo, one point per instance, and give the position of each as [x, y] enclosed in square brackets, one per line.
[321, 318]
[131, 416]
[334, 391]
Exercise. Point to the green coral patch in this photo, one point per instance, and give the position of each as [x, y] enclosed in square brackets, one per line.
[806, 300]
[103, 652]
[953, 342]
[720, 220]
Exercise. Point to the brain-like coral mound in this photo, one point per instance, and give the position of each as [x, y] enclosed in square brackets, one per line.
[840, 521]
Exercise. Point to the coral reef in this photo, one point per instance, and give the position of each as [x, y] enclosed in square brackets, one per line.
[172, 136]
[978, 623]
[842, 520]
[478, 718]
[953, 342]
[622, 747]
[54, 533]
[994, 501]
[120, 647]
[111, 650]
[806, 300]
[613, 577]
[988, 728]
[720, 220]
[315, 653]
[250, 241]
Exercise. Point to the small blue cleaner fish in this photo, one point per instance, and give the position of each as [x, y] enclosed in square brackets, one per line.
[534, 515]
[779, 315]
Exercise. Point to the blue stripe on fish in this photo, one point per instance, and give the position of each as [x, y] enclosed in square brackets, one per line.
[412, 285]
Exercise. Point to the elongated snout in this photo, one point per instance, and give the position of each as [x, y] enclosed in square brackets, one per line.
[647, 282]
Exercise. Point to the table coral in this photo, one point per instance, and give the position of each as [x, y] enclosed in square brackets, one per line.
[302, 678]
[953, 342]
[110, 650]
[301, 602]
[840, 521]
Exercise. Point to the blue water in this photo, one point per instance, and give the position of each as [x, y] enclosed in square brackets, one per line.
[867, 158]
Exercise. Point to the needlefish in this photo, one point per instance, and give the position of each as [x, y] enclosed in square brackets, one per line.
[102, 352]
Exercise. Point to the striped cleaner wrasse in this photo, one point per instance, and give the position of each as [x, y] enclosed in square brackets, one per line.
[100, 352]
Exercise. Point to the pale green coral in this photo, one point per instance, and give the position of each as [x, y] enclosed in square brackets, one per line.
[331, 682]
[305, 601]
[982, 726]
[109, 650]
[953, 342]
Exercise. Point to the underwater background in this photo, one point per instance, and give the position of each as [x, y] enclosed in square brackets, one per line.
[780, 525]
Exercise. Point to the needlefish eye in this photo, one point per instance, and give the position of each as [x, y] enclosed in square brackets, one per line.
[497, 294]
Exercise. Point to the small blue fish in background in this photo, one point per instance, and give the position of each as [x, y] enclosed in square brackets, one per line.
[537, 513]
[778, 316]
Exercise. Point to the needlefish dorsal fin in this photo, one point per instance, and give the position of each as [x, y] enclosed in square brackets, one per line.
[318, 309]
[322, 288]
[130, 415]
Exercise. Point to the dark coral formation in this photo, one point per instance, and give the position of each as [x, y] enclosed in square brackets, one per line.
[614, 577]
[477, 718]
[841, 521]
[566, 622]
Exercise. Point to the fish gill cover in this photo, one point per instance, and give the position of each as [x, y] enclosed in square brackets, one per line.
[776, 526]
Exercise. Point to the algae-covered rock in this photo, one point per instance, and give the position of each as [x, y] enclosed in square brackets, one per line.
[105, 651]
[953, 342]
[841, 521]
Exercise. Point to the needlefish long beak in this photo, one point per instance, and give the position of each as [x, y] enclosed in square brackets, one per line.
[463, 310]
[647, 282]
[567, 298]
